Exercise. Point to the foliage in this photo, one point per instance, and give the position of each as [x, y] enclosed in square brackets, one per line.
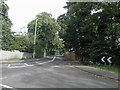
[108, 68]
[6, 38]
[47, 29]
[22, 43]
[92, 29]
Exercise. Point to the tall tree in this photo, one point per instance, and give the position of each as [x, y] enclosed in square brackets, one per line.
[47, 29]
[92, 29]
[78, 33]
[6, 39]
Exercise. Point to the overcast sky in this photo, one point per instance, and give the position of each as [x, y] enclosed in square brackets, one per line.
[21, 12]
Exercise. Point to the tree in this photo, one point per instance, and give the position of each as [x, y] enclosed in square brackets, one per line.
[62, 21]
[106, 23]
[6, 38]
[47, 29]
[78, 33]
[92, 29]
[23, 43]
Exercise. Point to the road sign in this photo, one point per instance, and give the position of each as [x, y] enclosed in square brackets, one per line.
[103, 59]
[109, 59]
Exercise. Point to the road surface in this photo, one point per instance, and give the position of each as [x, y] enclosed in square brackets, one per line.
[53, 72]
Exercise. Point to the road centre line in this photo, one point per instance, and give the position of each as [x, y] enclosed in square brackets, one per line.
[6, 86]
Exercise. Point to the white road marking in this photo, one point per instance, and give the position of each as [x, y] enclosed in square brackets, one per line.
[36, 62]
[47, 61]
[54, 58]
[39, 63]
[55, 66]
[9, 65]
[3, 78]
[17, 66]
[37, 59]
[26, 65]
[6, 86]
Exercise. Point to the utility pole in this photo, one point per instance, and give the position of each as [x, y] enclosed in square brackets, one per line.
[35, 38]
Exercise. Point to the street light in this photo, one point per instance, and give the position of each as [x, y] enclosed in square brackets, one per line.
[35, 38]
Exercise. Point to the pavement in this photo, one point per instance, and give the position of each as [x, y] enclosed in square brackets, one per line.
[100, 72]
[55, 72]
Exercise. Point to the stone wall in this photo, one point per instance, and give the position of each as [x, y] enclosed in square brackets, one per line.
[6, 55]
[70, 56]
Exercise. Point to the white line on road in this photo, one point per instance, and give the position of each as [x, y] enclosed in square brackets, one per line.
[9, 65]
[3, 78]
[17, 66]
[47, 61]
[40, 63]
[6, 86]
[26, 65]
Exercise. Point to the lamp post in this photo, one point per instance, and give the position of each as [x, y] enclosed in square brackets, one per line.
[35, 38]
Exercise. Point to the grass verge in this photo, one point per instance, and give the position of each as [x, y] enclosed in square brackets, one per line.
[108, 68]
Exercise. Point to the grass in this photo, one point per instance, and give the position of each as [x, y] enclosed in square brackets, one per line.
[108, 68]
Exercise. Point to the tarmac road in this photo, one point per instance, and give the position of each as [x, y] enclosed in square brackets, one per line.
[52, 72]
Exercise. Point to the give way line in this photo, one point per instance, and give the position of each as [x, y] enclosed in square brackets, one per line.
[27, 65]
[6, 86]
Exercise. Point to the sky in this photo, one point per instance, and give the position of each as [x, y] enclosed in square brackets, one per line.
[21, 12]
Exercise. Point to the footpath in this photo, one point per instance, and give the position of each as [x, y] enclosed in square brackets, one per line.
[95, 71]
[100, 72]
